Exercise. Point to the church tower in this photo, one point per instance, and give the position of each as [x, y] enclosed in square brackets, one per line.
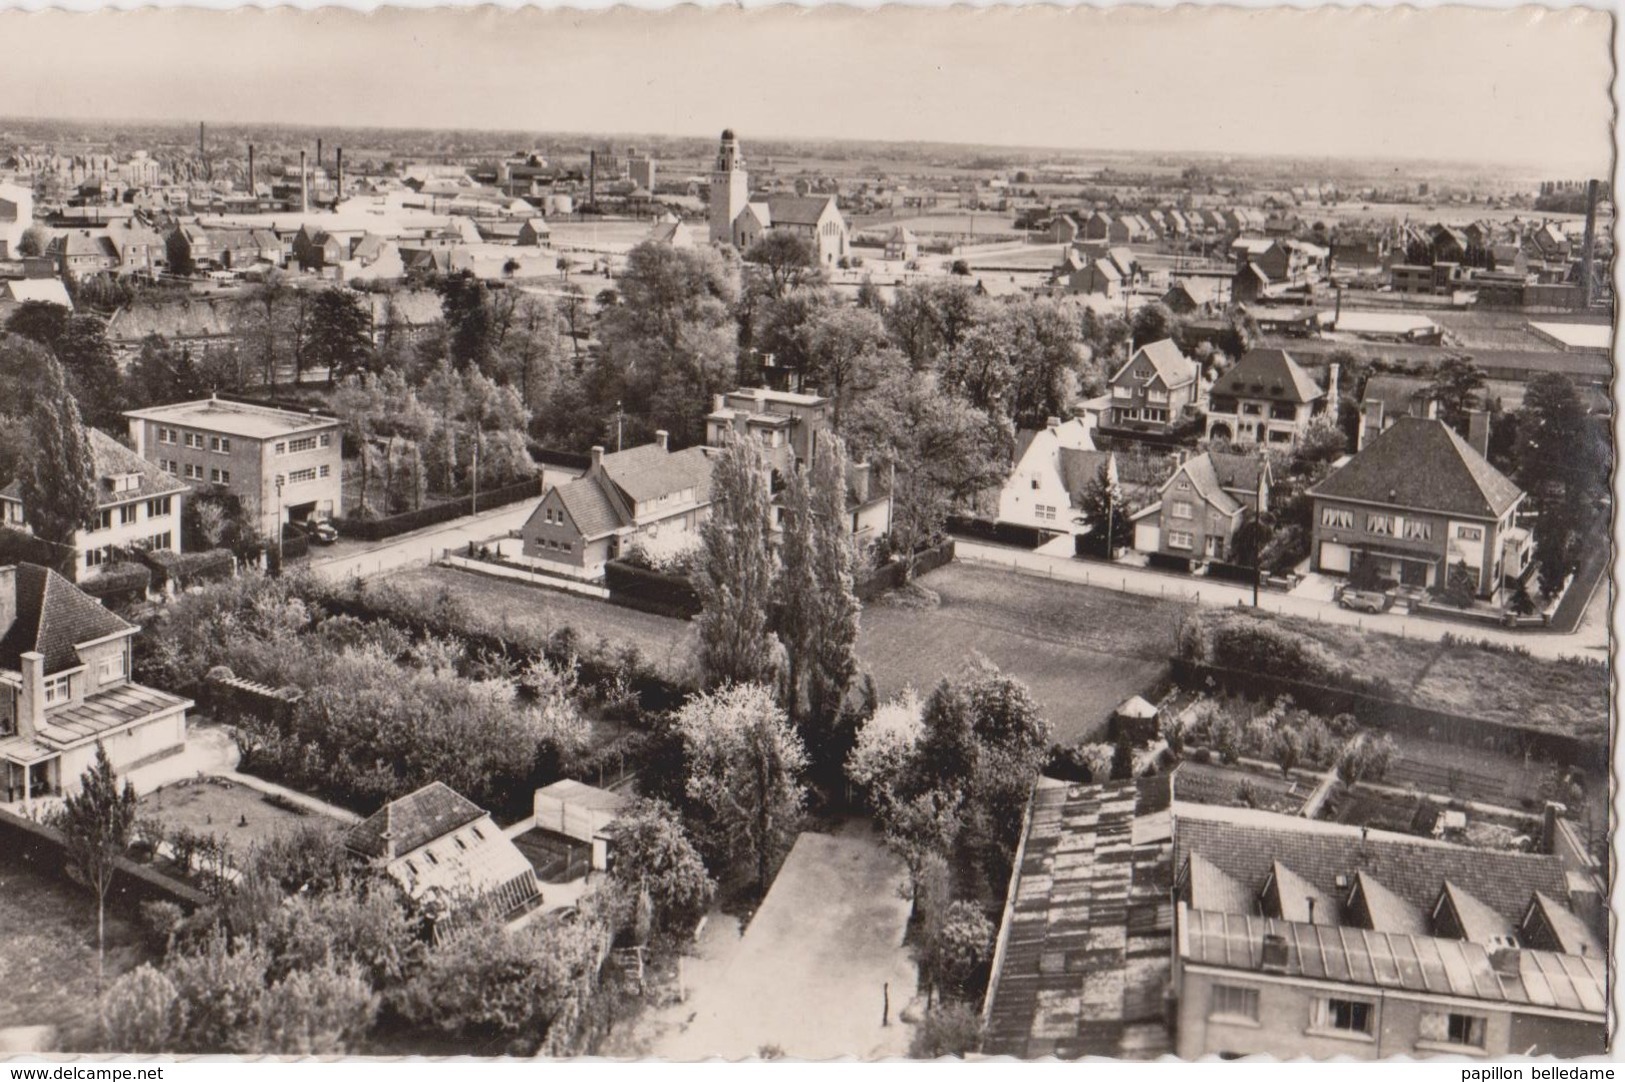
[730, 189]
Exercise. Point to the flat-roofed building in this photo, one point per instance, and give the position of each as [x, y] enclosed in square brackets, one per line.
[282, 465]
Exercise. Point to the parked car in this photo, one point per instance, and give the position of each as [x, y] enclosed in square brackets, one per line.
[1364, 600]
[317, 533]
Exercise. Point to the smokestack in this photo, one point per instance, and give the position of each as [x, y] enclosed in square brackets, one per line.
[338, 167]
[304, 183]
[1588, 256]
[592, 178]
[250, 168]
[318, 152]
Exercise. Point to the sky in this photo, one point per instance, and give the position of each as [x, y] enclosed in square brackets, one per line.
[1520, 86]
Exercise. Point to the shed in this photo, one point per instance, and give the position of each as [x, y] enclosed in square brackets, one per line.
[582, 812]
[1136, 720]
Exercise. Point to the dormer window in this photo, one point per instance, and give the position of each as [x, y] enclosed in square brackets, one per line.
[58, 689]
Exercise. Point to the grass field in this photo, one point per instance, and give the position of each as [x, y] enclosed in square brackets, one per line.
[505, 607]
[48, 955]
[235, 813]
[1081, 650]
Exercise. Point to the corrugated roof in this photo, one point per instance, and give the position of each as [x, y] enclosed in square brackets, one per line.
[53, 616]
[413, 821]
[1271, 374]
[1358, 956]
[1457, 479]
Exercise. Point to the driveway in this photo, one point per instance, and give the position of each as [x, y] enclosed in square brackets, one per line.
[810, 974]
[420, 547]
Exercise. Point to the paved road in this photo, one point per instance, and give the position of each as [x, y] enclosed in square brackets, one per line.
[366, 558]
[1591, 640]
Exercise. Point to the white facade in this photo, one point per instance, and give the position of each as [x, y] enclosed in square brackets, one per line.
[16, 215]
[1036, 493]
[730, 189]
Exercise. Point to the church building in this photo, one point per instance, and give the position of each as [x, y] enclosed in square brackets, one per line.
[740, 221]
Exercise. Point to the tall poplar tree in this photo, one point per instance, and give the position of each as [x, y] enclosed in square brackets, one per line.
[735, 579]
[59, 484]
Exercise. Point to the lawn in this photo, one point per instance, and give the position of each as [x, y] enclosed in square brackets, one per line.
[1213, 783]
[1081, 650]
[48, 955]
[509, 608]
[229, 810]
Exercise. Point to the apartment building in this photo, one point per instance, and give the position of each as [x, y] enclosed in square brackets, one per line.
[138, 506]
[282, 465]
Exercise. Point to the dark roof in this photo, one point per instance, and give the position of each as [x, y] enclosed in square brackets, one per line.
[53, 617]
[797, 209]
[1268, 373]
[412, 822]
[589, 508]
[649, 472]
[1083, 959]
[110, 458]
[1080, 468]
[1414, 869]
[1238, 472]
[1572, 934]
[1398, 394]
[1457, 480]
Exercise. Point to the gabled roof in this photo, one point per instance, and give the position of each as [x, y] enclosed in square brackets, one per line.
[109, 458]
[1387, 911]
[1477, 921]
[1246, 844]
[173, 320]
[1271, 374]
[649, 472]
[1199, 470]
[48, 290]
[1238, 473]
[1293, 895]
[82, 242]
[412, 822]
[53, 617]
[1108, 270]
[1207, 887]
[589, 508]
[1174, 367]
[1573, 935]
[1079, 468]
[1457, 479]
[1396, 393]
[798, 209]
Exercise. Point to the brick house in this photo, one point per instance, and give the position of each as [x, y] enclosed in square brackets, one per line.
[1266, 397]
[647, 493]
[138, 506]
[65, 687]
[1202, 505]
[1414, 502]
[1153, 391]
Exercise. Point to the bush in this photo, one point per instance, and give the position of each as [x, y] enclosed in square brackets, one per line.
[119, 582]
[953, 1029]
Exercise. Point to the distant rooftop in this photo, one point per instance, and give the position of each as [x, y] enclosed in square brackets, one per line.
[235, 418]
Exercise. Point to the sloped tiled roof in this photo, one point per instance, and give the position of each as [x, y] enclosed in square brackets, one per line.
[1174, 367]
[1387, 911]
[173, 320]
[1271, 374]
[1293, 894]
[649, 472]
[412, 822]
[1079, 469]
[1199, 469]
[1572, 934]
[1457, 479]
[1398, 394]
[591, 511]
[111, 458]
[1238, 472]
[1245, 846]
[53, 617]
[1206, 887]
[1478, 922]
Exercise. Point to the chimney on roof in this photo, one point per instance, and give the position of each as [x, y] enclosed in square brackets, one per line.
[31, 701]
[761, 399]
[8, 597]
[1334, 372]
[1478, 431]
[719, 402]
[1273, 958]
[1431, 409]
[1052, 422]
[318, 152]
[1548, 825]
[597, 457]
[1505, 961]
[1311, 902]
[662, 437]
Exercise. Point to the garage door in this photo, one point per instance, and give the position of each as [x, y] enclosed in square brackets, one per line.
[1334, 558]
[1147, 537]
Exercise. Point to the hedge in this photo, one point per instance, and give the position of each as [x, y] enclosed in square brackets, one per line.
[891, 576]
[127, 581]
[656, 592]
[189, 568]
[378, 529]
[17, 547]
[44, 848]
[1001, 533]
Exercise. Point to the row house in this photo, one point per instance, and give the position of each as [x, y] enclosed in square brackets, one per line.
[138, 506]
[65, 689]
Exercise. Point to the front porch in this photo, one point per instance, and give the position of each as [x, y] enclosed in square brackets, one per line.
[29, 774]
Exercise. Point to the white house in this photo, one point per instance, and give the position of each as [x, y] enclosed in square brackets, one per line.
[1039, 490]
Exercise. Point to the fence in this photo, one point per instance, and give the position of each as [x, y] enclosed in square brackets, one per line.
[530, 575]
[891, 576]
[378, 529]
[1395, 715]
[40, 847]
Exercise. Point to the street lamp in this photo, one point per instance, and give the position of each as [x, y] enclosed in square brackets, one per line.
[279, 481]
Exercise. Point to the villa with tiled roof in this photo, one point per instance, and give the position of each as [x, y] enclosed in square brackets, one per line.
[1154, 389]
[447, 853]
[1415, 525]
[1266, 397]
[138, 506]
[65, 687]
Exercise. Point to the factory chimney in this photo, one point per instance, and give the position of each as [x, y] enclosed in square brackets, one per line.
[338, 180]
[318, 152]
[203, 152]
[1589, 255]
[592, 178]
[250, 168]
[304, 183]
